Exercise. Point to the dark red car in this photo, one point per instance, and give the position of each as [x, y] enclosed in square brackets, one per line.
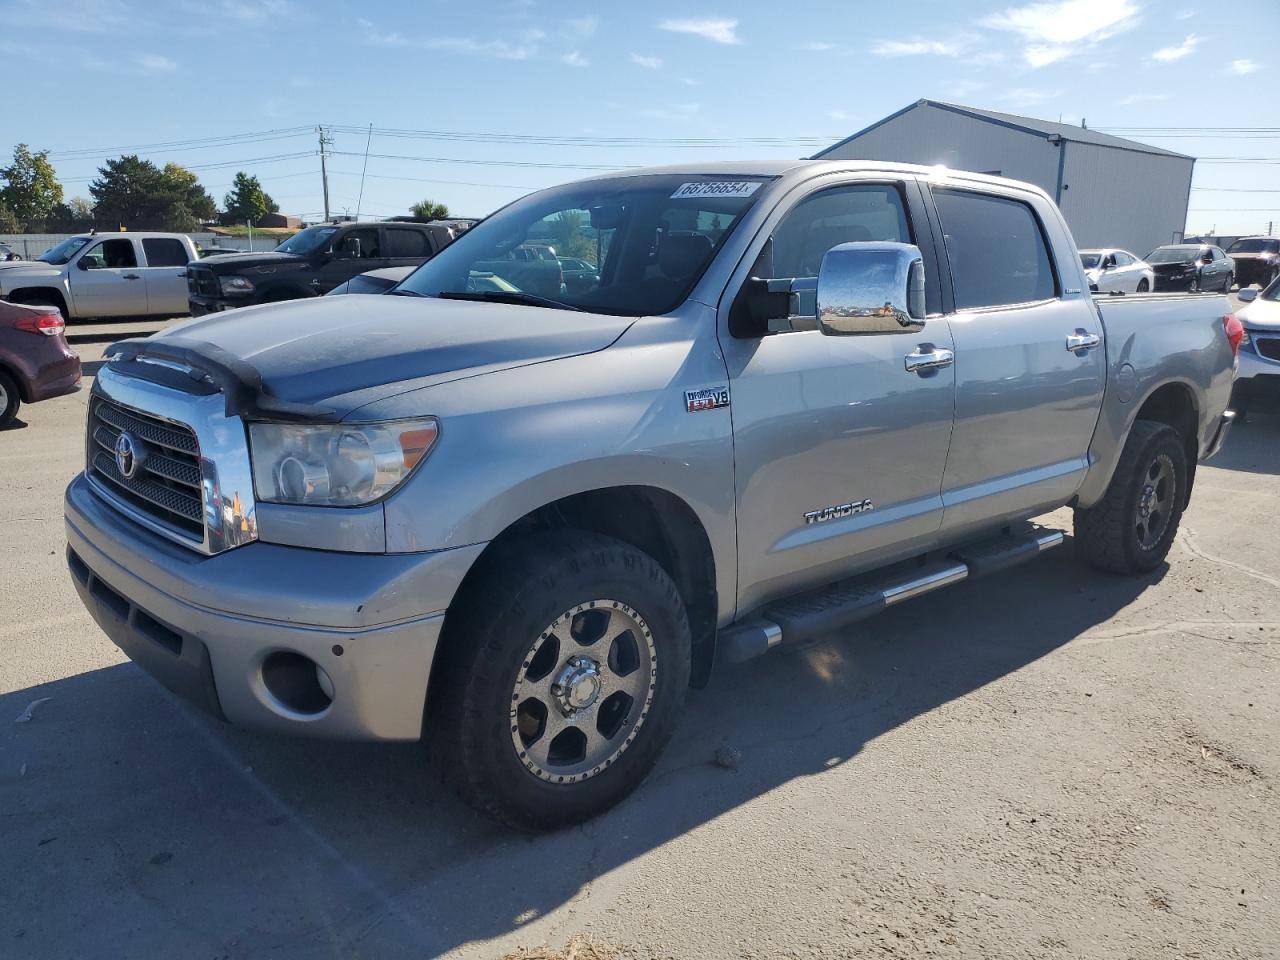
[35, 361]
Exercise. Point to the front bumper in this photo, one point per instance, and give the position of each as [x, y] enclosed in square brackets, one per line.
[1253, 270]
[1256, 390]
[1181, 282]
[202, 306]
[205, 626]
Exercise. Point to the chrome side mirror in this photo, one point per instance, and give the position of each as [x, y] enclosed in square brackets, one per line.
[869, 288]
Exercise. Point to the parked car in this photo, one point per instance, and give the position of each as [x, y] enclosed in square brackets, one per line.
[35, 361]
[1258, 375]
[524, 524]
[579, 276]
[1255, 260]
[1192, 267]
[105, 275]
[1110, 270]
[312, 262]
[383, 281]
[8, 254]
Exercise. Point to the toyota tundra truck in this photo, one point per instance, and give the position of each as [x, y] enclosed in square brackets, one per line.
[520, 526]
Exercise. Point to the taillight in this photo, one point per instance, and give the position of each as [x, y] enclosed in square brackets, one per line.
[1235, 331]
[50, 324]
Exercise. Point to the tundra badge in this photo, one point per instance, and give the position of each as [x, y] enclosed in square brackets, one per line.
[838, 511]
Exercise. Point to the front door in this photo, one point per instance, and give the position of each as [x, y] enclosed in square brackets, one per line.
[166, 276]
[353, 252]
[838, 449]
[1026, 402]
[113, 284]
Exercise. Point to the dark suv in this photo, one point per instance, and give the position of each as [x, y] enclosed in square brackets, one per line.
[1256, 260]
[311, 263]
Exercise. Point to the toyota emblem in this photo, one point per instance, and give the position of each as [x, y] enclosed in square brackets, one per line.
[127, 458]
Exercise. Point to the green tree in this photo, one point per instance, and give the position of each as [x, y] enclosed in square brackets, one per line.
[135, 193]
[570, 237]
[32, 190]
[8, 222]
[430, 210]
[247, 200]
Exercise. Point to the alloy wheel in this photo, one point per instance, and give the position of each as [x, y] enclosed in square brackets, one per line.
[583, 691]
[1155, 502]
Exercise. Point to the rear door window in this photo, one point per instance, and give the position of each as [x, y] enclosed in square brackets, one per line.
[164, 252]
[407, 243]
[996, 248]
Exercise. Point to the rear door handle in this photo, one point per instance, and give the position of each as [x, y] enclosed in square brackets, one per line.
[130, 276]
[1080, 341]
[936, 359]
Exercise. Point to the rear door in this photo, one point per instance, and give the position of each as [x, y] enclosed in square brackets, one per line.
[406, 246]
[113, 286]
[838, 447]
[1029, 357]
[165, 273]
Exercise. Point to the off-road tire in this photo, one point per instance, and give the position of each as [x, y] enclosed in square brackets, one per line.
[10, 400]
[488, 633]
[1106, 534]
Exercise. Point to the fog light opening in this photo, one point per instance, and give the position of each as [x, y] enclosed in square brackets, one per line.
[298, 682]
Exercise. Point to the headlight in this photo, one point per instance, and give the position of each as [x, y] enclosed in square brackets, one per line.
[236, 285]
[336, 465]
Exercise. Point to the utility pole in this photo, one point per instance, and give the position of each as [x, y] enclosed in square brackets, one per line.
[325, 140]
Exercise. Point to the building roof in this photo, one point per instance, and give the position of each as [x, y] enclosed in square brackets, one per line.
[1042, 128]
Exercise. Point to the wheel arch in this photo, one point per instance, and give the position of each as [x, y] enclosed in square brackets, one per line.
[648, 518]
[1174, 404]
[24, 389]
[28, 294]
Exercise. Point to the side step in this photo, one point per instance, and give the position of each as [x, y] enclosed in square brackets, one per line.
[809, 615]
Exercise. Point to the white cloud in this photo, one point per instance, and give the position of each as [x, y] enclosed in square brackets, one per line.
[1024, 97]
[1244, 67]
[964, 88]
[154, 63]
[1054, 31]
[919, 46]
[1178, 50]
[257, 10]
[817, 46]
[715, 29]
[81, 16]
[672, 111]
[1186, 14]
[690, 82]
[582, 26]
[837, 115]
[498, 49]
[1133, 98]
[649, 63]
[574, 59]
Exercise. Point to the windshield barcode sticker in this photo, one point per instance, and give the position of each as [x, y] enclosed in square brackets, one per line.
[717, 188]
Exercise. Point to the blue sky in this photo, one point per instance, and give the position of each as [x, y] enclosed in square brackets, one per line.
[86, 76]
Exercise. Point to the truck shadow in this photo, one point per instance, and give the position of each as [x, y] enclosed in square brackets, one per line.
[172, 835]
[1252, 447]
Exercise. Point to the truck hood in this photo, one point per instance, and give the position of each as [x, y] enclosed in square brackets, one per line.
[1261, 315]
[12, 270]
[345, 352]
[242, 262]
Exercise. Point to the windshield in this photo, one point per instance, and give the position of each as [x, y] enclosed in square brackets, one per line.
[1172, 255]
[63, 251]
[649, 237]
[1090, 261]
[308, 241]
[1260, 245]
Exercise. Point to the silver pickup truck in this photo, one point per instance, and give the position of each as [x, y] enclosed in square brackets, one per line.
[524, 524]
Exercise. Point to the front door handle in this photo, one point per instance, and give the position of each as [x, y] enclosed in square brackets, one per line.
[130, 276]
[921, 362]
[1080, 341]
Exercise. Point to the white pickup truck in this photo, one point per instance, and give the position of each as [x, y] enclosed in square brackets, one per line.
[106, 275]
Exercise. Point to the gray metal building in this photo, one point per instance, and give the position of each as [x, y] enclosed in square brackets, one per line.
[1113, 192]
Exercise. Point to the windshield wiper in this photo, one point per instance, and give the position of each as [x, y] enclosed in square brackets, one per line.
[507, 296]
[403, 293]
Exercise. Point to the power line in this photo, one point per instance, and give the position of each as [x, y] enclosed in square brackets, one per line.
[91, 152]
[489, 163]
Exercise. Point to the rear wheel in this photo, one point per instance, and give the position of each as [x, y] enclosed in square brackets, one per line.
[10, 400]
[1131, 529]
[564, 667]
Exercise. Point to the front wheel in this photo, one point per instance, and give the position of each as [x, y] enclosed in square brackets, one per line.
[1231, 280]
[563, 671]
[1194, 285]
[1131, 529]
[1143, 286]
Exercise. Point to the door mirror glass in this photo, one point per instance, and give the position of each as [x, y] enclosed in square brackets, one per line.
[90, 262]
[1247, 295]
[870, 288]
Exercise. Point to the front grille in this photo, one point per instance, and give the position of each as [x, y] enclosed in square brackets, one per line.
[1268, 347]
[202, 282]
[166, 484]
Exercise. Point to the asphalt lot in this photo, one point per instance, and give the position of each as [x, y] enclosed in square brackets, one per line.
[1052, 763]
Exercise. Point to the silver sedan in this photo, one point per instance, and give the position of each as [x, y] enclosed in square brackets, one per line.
[1110, 270]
